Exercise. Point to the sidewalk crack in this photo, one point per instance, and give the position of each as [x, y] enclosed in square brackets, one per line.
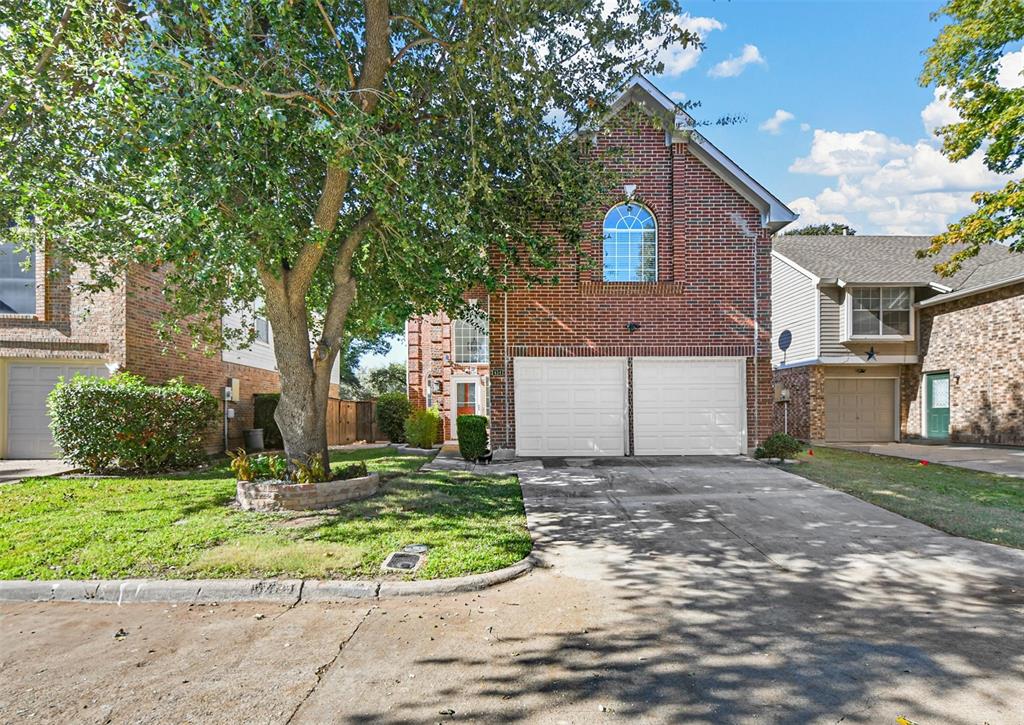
[323, 669]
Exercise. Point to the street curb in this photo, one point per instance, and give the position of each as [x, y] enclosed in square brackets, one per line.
[280, 591]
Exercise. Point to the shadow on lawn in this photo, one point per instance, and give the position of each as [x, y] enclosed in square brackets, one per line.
[708, 629]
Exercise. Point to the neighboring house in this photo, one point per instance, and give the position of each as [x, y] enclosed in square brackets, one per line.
[49, 329]
[661, 347]
[881, 348]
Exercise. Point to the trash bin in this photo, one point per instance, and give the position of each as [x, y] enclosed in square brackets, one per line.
[253, 439]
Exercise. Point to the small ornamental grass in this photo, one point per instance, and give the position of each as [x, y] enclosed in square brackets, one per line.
[121, 423]
[421, 428]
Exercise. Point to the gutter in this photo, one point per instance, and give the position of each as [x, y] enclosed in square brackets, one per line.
[939, 299]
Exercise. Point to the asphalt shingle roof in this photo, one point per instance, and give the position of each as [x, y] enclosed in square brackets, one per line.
[892, 260]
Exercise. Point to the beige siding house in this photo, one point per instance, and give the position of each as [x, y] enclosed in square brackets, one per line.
[857, 317]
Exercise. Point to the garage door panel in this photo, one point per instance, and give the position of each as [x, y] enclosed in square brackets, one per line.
[570, 406]
[860, 409]
[28, 423]
[688, 407]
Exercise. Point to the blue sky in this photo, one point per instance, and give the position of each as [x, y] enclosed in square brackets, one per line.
[853, 144]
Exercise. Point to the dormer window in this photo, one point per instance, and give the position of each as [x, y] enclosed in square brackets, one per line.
[630, 244]
[880, 311]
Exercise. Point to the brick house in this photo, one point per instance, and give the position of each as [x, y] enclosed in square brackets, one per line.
[660, 346]
[49, 329]
[880, 348]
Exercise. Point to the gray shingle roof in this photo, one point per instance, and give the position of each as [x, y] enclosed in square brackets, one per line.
[891, 260]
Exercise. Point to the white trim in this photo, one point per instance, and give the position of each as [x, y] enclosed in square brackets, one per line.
[879, 360]
[847, 313]
[939, 299]
[805, 272]
[477, 398]
[604, 230]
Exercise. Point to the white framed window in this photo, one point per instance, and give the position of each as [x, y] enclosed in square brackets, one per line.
[630, 244]
[262, 330]
[470, 340]
[880, 312]
[17, 281]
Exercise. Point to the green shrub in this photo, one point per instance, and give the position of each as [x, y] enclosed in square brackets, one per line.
[357, 469]
[779, 445]
[392, 410]
[264, 406]
[122, 423]
[421, 427]
[472, 430]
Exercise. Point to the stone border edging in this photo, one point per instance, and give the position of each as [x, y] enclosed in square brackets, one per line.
[282, 591]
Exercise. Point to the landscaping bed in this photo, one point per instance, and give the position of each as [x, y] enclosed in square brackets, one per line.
[983, 506]
[186, 526]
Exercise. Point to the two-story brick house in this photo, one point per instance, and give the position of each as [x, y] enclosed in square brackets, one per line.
[875, 346]
[49, 329]
[654, 340]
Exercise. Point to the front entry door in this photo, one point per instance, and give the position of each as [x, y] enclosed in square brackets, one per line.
[937, 411]
[467, 400]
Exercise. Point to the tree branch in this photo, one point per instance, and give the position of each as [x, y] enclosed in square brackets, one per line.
[48, 51]
[377, 57]
[344, 292]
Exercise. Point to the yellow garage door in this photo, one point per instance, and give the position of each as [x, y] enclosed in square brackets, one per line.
[858, 409]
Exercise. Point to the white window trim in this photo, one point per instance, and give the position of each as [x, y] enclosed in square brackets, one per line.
[455, 346]
[847, 313]
[657, 251]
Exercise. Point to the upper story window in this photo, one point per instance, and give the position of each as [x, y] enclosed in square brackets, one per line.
[880, 311]
[470, 341]
[630, 244]
[17, 281]
[262, 330]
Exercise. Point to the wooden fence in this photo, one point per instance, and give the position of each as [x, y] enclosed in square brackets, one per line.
[349, 421]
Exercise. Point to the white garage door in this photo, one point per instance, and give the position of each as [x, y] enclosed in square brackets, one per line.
[28, 424]
[859, 409]
[570, 406]
[686, 406]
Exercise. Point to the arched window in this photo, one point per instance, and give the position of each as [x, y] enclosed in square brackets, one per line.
[630, 244]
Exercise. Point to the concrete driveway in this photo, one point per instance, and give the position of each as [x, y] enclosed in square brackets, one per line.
[704, 590]
[991, 459]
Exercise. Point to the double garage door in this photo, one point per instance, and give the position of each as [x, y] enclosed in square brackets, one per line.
[28, 423]
[580, 406]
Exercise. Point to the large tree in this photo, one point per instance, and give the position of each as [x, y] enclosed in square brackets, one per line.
[966, 63]
[342, 163]
[829, 228]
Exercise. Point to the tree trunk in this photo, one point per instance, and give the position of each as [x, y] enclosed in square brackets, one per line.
[302, 413]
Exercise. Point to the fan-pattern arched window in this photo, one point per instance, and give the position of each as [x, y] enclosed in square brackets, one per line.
[630, 244]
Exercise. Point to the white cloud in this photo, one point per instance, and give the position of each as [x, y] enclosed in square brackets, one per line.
[805, 127]
[834, 153]
[1011, 66]
[679, 59]
[938, 113]
[884, 186]
[677, 96]
[773, 125]
[734, 65]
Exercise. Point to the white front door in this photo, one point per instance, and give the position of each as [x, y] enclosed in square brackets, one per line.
[570, 406]
[28, 423]
[468, 399]
[689, 406]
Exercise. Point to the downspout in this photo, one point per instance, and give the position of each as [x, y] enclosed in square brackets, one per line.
[757, 336]
[504, 357]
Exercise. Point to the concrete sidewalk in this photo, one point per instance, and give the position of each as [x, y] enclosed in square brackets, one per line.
[16, 470]
[991, 459]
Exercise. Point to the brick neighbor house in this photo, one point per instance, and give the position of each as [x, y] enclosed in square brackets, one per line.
[880, 348]
[661, 347]
[49, 329]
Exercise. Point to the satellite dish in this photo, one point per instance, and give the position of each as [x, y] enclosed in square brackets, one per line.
[785, 340]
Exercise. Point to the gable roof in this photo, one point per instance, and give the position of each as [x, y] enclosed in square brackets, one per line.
[680, 128]
[892, 260]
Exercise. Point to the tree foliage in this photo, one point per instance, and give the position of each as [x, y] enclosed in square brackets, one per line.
[828, 228]
[965, 62]
[342, 164]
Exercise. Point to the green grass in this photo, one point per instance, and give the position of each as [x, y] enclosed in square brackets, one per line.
[976, 505]
[182, 526]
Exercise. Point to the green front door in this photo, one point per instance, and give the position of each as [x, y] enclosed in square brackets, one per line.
[937, 412]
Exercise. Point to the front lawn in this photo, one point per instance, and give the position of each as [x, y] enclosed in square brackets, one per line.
[976, 505]
[182, 526]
